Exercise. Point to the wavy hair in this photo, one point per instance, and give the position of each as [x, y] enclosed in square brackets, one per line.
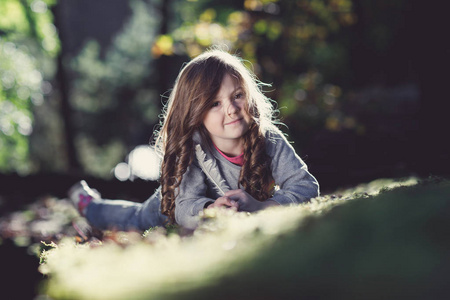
[192, 96]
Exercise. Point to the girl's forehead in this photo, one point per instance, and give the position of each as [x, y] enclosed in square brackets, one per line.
[230, 82]
[233, 78]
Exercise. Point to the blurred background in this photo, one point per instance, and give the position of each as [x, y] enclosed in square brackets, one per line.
[360, 85]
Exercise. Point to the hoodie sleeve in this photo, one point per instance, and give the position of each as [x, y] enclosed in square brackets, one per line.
[191, 197]
[296, 184]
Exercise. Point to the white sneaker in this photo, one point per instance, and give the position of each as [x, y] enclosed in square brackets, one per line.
[81, 195]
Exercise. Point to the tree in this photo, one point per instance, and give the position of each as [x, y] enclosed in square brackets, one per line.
[28, 43]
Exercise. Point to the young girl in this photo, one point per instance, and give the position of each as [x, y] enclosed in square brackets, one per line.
[220, 148]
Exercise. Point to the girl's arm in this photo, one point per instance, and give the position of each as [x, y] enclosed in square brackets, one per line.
[296, 184]
[191, 197]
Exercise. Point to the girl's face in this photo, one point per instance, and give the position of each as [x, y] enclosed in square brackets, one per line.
[227, 120]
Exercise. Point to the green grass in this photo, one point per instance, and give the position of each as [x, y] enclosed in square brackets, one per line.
[383, 240]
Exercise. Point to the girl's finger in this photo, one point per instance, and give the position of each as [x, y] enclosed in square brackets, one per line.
[234, 204]
[223, 201]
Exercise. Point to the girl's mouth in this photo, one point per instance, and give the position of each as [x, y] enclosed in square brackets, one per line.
[233, 122]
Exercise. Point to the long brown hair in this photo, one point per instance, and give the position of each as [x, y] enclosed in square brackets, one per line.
[194, 91]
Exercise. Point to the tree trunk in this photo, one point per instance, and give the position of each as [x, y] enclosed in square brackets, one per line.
[62, 82]
[162, 64]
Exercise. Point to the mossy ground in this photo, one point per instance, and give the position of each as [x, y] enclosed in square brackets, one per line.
[382, 240]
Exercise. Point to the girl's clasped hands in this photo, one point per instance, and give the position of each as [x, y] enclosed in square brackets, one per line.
[240, 200]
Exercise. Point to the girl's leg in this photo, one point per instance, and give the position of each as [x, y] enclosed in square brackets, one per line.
[125, 215]
[118, 214]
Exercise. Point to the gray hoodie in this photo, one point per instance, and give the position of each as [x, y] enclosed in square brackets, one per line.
[290, 173]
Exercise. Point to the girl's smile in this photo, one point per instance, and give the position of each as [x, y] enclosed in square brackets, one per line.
[227, 120]
[234, 122]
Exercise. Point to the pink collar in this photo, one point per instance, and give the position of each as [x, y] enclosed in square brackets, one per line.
[237, 160]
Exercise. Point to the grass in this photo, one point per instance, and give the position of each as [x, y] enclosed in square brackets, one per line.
[384, 239]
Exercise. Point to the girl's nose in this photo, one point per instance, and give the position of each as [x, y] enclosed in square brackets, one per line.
[232, 109]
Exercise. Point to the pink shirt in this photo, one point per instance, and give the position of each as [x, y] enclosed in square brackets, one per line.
[237, 160]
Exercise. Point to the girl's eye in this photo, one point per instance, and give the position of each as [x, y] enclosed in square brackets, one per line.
[238, 96]
[215, 104]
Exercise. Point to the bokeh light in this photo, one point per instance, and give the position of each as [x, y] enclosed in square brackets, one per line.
[143, 163]
[122, 171]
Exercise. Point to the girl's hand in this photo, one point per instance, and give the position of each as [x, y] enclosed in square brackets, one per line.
[225, 202]
[246, 202]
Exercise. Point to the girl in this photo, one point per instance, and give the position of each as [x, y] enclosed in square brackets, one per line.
[219, 148]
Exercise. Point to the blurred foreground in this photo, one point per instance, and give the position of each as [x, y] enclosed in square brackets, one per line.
[386, 239]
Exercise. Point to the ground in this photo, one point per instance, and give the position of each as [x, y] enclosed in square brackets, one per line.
[384, 239]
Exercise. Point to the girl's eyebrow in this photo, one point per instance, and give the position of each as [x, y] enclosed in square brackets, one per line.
[239, 88]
